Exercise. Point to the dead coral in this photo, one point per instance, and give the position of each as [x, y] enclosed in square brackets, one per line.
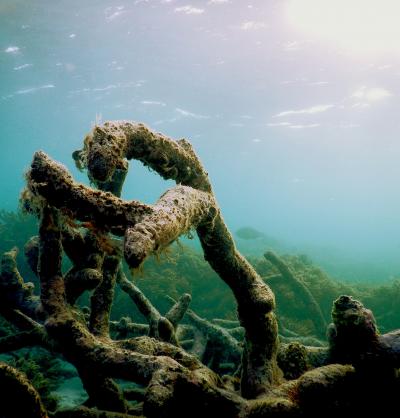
[176, 383]
[13, 288]
[221, 351]
[160, 327]
[191, 205]
[301, 291]
[19, 398]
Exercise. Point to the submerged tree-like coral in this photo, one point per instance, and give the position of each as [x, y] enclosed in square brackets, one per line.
[177, 368]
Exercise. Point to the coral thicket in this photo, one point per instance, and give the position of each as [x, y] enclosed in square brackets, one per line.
[234, 358]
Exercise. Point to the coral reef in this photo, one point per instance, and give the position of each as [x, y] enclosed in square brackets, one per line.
[181, 362]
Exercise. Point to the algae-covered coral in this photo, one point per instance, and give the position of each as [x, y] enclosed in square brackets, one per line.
[180, 350]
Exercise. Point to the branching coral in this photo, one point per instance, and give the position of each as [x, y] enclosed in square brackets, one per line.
[78, 221]
[161, 327]
[147, 228]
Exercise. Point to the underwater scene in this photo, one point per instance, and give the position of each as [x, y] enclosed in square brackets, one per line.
[199, 208]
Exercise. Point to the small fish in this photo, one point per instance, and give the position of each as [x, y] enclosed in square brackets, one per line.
[247, 232]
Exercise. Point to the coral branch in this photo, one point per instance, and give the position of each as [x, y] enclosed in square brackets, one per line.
[49, 267]
[23, 339]
[176, 212]
[52, 182]
[102, 298]
[83, 412]
[31, 251]
[225, 323]
[104, 151]
[109, 359]
[255, 308]
[18, 397]
[14, 292]
[107, 146]
[301, 291]
[19, 319]
[178, 310]
[221, 347]
[159, 327]
[87, 257]
[126, 328]
[145, 307]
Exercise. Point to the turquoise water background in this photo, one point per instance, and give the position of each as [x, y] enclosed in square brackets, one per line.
[294, 144]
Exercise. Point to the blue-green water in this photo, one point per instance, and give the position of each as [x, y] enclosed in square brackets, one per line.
[300, 136]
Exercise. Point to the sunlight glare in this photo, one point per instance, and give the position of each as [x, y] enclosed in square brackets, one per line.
[358, 25]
